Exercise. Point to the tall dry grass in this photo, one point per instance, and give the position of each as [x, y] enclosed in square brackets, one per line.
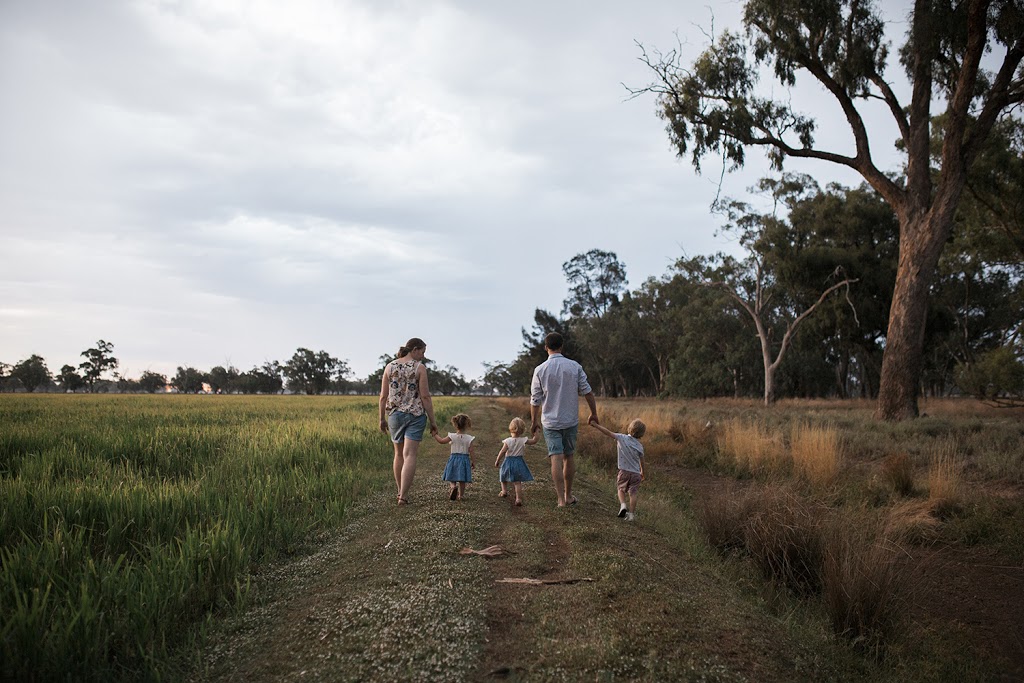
[863, 584]
[817, 453]
[751, 447]
[945, 480]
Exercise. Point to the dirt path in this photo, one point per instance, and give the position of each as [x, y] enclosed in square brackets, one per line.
[391, 598]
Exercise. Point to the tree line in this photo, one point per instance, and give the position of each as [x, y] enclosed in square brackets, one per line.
[803, 313]
[306, 372]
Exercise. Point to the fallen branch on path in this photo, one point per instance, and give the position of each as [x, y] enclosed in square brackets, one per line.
[542, 582]
[489, 551]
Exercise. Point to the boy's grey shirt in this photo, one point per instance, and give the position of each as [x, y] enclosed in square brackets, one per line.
[630, 451]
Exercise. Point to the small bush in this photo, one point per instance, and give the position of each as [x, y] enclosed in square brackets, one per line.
[898, 472]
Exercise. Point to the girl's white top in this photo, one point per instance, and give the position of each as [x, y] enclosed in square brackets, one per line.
[516, 446]
[460, 442]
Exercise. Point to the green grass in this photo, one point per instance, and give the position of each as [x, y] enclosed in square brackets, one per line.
[127, 521]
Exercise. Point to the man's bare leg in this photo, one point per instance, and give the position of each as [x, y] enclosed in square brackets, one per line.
[558, 477]
[568, 474]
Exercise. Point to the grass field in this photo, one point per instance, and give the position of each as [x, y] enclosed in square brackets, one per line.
[132, 526]
[127, 521]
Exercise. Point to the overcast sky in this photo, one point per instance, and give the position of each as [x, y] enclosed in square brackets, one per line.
[216, 182]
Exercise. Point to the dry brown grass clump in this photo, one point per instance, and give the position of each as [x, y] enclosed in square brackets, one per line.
[862, 582]
[750, 447]
[817, 453]
[723, 518]
[945, 480]
[783, 536]
[898, 471]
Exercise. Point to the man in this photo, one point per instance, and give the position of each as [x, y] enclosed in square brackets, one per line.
[554, 405]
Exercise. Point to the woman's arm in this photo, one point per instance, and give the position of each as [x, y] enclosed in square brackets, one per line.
[428, 403]
[385, 380]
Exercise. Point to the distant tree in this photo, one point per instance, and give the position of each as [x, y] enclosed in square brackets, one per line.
[715, 107]
[69, 379]
[498, 377]
[752, 284]
[223, 380]
[447, 381]
[596, 280]
[152, 382]
[997, 377]
[97, 361]
[188, 380]
[31, 372]
[312, 373]
[7, 383]
[265, 379]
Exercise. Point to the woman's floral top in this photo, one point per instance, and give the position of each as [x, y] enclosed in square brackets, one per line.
[404, 390]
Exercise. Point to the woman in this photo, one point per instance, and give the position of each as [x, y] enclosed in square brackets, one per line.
[405, 397]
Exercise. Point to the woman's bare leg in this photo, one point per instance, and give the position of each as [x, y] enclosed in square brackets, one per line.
[407, 471]
[397, 466]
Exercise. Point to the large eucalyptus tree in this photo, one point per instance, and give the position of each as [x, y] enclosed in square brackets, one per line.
[714, 107]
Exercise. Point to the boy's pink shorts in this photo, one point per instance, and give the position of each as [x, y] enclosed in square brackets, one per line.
[628, 482]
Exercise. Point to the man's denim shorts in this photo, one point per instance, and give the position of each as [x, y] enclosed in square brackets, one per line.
[406, 426]
[561, 440]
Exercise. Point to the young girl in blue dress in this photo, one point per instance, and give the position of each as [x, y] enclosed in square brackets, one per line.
[514, 470]
[459, 470]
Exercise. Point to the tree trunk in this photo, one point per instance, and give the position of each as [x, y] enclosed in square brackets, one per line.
[921, 240]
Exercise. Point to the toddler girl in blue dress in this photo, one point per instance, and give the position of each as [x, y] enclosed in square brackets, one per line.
[459, 470]
[514, 470]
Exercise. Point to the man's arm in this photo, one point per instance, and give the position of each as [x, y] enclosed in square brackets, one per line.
[600, 427]
[592, 402]
[535, 419]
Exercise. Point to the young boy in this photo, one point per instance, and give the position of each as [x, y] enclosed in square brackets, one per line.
[631, 464]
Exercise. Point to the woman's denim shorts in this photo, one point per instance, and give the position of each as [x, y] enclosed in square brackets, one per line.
[406, 426]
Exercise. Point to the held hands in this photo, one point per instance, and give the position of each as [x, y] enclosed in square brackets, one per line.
[593, 421]
[433, 429]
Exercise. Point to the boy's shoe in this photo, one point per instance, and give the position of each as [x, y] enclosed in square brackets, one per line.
[623, 511]
[630, 517]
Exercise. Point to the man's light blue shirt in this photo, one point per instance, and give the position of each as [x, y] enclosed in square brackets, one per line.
[557, 385]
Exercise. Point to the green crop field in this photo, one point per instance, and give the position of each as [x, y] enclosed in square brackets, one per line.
[127, 521]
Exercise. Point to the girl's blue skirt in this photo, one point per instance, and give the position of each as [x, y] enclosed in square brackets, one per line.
[514, 469]
[458, 469]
